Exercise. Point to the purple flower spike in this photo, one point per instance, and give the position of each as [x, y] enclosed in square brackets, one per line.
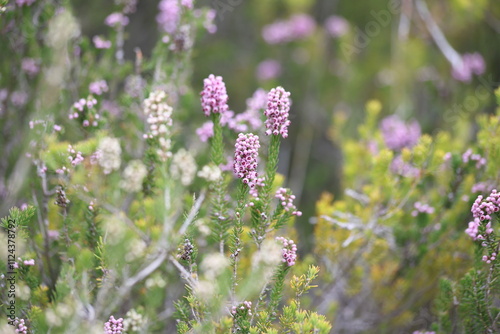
[245, 158]
[278, 106]
[214, 95]
[113, 326]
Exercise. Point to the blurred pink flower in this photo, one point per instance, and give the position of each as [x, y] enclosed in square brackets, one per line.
[101, 43]
[209, 24]
[115, 19]
[472, 63]
[206, 131]
[299, 26]
[268, 69]
[19, 98]
[398, 134]
[98, 87]
[30, 66]
[336, 26]
[21, 3]
[169, 16]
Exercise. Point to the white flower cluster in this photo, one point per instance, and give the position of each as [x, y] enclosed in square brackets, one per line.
[133, 175]
[134, 322]
[211, 173]
[183, 167]
[109, 154]
[213, 265]
[160, 122]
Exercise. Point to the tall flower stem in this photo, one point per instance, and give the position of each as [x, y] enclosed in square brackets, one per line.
[236, 245]
[219, 215]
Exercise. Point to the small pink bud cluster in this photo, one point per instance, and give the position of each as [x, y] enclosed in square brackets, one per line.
[483, 209]
[20, 326]
[41, 169]
[29, 262]
[98, 87]
[289, 251]
[422, 208]
[259, 183]
[245, 158]
[472, 63]
[214, 95]
[101, 43]
[480, 228]
[286, 198]
[244, 307]
[116, 19]
[299, 26]
[113, 326]
[488, 259]
[399, 134]
[468, 156]
[169, 16]
[278, 106]
[62, 170]
[85, 105]
[91, 205]
[77, 159]
[30, 66]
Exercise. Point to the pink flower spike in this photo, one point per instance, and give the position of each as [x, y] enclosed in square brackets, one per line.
[214, 95]
[278, 107]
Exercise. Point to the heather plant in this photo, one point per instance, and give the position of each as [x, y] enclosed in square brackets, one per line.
[399, 235]
[127, 225]
[139, 176]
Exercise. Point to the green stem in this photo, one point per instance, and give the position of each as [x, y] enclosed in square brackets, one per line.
[219, 216]
[217, 146]
[271, 168]
[237, 232]
[277, 291]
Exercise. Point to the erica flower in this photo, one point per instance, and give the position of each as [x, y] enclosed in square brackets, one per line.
[472, 63]
[278, 106]
[289, 251]
[98, 87]
[298, 26]
[245, 157]
[336, 26]
[214, 95]
[482, 210]
[169, 16]
[398, 134]
[116, 19]
[101, 43]
[109, 156]
[133, 175]
[20, 326]
[160, 121]
[469, 156]
[244, 308]
[268, 69]
[286, 199]
[134, 321]
[113, 326]
[422, 208]
[30, 66]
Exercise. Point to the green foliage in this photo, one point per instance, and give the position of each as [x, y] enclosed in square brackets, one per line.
[19, 221]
